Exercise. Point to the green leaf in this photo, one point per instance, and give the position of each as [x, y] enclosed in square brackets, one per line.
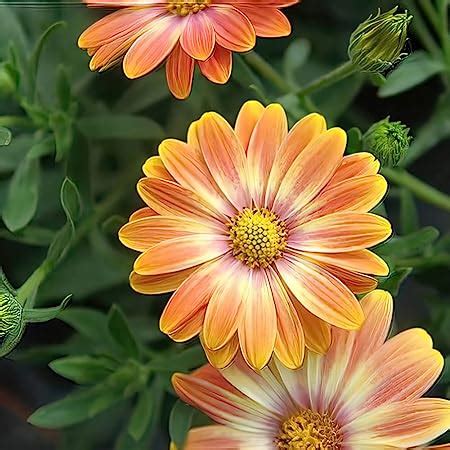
[414, 70]
[393, 282]
[354, 142]
[70, 200]
[121, 332]
[84, 369]
[142, 413]
[245, 76]
[5, 136]
[120, 127]
[409, 217]
[45, 314]
[62, 125]
[294, 58]
[23, 195]
[42, 148]
[180, 422]
[445, 378]
[61, 243]
[187, 359]
[63, 89]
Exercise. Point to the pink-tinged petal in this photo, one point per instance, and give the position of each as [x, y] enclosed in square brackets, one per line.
[180, 73]
[321, 293]
[224, 356]
[198, 38]
[258, 327]
[181, 253]
[226, 438]
[363, 261]
[190, 328]
[310, 172]
[359, 194]
[270, 131]
[208, 391]
[246, 121]
[190, 298]
[340, 232]
[224, 311]
[159, 284]
[300, 136]
[357, 165]
[142, 234]
[233, 30]
[401, 424]
[189, 169]
[217, 68]
[225, 158]
[170, 199]
[290, 341]
[154, 46]
[358, 283]
[155, 168]
[142, 214]
[268, 22]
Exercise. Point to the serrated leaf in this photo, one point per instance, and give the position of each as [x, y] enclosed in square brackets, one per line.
[142, 413]
[121, 332]
[5, 137]
[180, 422]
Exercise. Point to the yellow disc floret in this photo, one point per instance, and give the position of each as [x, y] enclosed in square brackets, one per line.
[309, 430]
[186, 7]
[258, 237]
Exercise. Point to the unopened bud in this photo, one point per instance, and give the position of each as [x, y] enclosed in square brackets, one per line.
[10, 309]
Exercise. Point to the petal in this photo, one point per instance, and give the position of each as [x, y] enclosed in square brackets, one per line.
[268, 22]
[142, 234]
[181, 253]
[142, 213]
[246, 121]
[356, 282]
[224, 356]
[233, 30]
[340, 232]
[270, 131]
[310, 172]
[159, 284]
[198, 38]
[180, 73]
[225, 158]
[217, 68]
[301, 135]
[153, 47]
[109, 55]
[321, 293]
[258, 327]
[155, 168]
[357, 165]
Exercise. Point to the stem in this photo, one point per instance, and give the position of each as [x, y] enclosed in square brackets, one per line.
[431, 14]
[418, 188]
[443, 31]
[427, 262]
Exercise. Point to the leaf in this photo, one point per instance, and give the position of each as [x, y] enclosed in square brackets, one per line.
[187, 359]
[83, 369]
[45, 314]
[120, 127]
[62, 125]
[180, 422]
[445, 378]
[5, 136]
[409, 217]
[393, 282]
[23, 195]
[294, 58]
[414, 70]
[13, 155]
[63, 89]
[121, 332]
[245, 76]
[70, 200]
[60, 244]
[354, 142]
[42, 148]
[142, 413]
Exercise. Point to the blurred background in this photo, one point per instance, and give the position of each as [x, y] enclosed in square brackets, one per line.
[112, 126]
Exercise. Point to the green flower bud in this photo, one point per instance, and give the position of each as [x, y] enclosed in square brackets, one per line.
[387, 141]
[377, 44]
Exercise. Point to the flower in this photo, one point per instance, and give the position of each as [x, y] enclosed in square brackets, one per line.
[147, 33]
[263, 234]
[365, 393]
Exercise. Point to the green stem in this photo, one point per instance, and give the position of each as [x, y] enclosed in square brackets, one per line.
[443, 30]
[418, 188]
[427, 262]
[431, 14]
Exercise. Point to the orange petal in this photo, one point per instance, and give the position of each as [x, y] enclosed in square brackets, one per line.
[155, 168]
[270, 131]
[108, 55]
[356, 282]
[301, 135]
[159, 284]
[340, 232]
[142, 213]
[321, 293]
[246, 121]
[217, 68]
[190, 328]
[357, 165]
[153, 47]
[225, 158]
[310, 172]
[181, 253]
[180, 73]
[233, 30]
[198, 38]
[224, 356]
[258, 328]
[268, 22]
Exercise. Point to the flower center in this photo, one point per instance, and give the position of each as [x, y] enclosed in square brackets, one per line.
[258, 236]
[184, 8]
[309, 430]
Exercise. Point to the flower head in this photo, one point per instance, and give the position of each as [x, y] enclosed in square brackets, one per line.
[146, 34]
[378, 42]
[365, 393]
[262, 234]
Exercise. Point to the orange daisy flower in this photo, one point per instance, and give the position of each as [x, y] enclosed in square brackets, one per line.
[364, 394]
[147, 33]
[262, 233]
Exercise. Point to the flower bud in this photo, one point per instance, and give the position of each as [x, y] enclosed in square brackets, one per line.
[10, 309]
[387, 141]
[377, 44]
